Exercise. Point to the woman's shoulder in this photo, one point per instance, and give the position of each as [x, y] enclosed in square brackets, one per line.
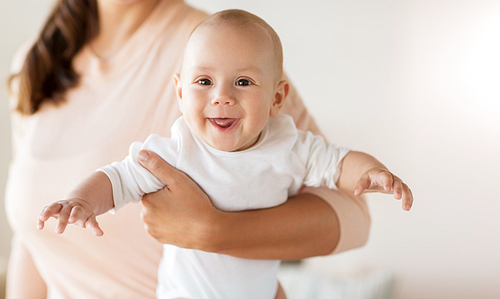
[20, 55]
[16, 65]
[197, 15]
[181, 13]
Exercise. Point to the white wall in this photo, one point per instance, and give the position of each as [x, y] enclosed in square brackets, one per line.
[413, 82]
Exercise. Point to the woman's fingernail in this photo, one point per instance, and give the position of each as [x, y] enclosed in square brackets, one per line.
[143, 156]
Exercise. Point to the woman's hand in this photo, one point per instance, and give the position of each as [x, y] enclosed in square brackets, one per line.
[179, 213]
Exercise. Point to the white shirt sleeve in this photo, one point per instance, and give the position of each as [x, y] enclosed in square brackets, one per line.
[322, 160]
[129, 179]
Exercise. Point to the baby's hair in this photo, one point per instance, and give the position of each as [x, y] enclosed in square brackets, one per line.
[244, 19]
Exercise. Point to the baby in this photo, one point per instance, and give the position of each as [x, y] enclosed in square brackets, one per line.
[234, 143]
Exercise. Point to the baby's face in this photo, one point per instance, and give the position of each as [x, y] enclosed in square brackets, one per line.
[228, 84]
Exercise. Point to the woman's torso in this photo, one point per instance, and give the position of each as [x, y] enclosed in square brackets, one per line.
[117, 102]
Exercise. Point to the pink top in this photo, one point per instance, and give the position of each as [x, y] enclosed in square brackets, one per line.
[118, 101]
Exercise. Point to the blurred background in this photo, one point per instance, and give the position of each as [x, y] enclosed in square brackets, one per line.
[416, 83]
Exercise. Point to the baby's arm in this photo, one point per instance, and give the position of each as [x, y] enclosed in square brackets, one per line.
[363, 173]
[91, 197]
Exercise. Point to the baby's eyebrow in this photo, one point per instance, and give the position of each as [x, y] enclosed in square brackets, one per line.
[247, 70]
[250, 69]
[202, 68]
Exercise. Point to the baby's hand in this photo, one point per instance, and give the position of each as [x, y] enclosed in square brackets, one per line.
[382, 180]
[72, 211]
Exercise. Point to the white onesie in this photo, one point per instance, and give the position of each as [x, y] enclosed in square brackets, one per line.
[265, 175]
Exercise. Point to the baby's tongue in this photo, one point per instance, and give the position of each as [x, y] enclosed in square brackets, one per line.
[224, 122]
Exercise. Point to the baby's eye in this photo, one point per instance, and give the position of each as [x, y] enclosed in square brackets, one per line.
[204, 82]
[243, 82]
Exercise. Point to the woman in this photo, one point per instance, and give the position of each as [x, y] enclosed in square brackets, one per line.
[96, 79]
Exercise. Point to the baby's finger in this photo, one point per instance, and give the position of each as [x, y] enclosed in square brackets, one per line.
[50, 211]
[407, 198]
[93, 226]
[386, 180]
[398, 188]
[40, 224]
[62, 220]
[41, 220]
[362, 184]
[47, 212]
[78, 216]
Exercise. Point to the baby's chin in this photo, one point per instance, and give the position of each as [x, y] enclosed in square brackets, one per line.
[227, 148]
[231, 147]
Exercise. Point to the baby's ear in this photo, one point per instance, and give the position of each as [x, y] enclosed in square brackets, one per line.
[279, 98]
[178, 89]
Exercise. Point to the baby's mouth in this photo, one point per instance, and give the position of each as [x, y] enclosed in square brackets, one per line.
[223, 123]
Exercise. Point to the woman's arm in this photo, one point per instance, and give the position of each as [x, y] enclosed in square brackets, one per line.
[23, 279]
[304, 226]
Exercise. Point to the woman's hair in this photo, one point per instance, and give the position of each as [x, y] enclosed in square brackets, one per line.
[48, 71]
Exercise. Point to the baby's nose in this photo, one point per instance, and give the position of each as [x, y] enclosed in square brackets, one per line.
[223, 100]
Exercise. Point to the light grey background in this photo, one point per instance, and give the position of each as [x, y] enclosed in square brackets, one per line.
[413, 82]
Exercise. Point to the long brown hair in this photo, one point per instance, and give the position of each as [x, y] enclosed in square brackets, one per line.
[47, 71]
